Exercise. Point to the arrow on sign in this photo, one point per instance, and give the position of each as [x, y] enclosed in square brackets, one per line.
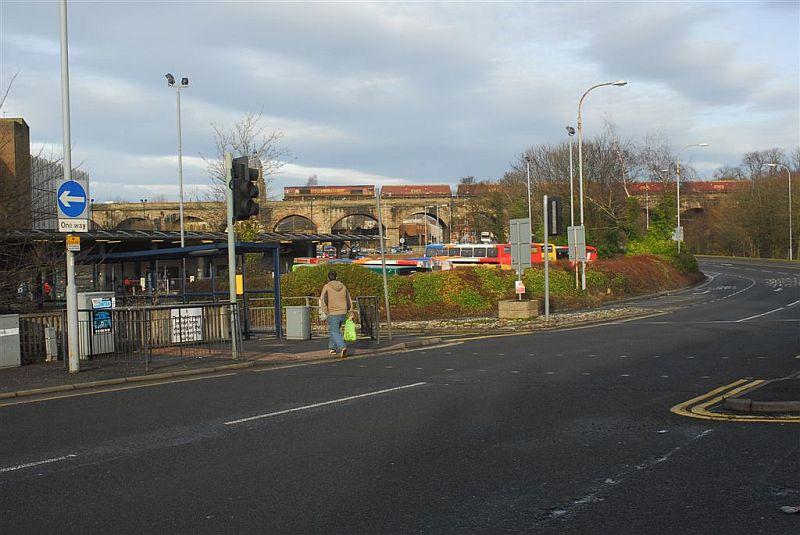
[66, 198]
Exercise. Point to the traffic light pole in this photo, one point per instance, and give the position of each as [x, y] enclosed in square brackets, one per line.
[231, 254]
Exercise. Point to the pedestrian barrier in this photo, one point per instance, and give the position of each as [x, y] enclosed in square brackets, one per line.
[32, 334]
[261, 314]
[157, 336]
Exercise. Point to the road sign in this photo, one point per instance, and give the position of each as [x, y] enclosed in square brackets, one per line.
[73, 225]
[519, 287]
[71, 200]
[677, 234]
[576, 237]
[520, 233]
[73, 243]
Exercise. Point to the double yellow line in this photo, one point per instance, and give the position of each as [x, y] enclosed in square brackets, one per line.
[697, 407]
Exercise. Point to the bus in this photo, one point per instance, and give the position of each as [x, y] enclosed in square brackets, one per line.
[482, 253]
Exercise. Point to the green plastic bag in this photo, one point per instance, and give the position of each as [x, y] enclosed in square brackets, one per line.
[350, 334]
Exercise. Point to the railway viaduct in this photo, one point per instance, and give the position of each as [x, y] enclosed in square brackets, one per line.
[401, 215]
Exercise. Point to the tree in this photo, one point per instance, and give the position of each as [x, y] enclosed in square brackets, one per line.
[246, 137]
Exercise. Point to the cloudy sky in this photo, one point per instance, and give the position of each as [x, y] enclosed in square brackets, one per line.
[397, 92]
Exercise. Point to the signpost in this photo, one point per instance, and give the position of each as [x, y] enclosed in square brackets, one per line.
[73, 243]
[71, 202]
[576, 237]
[520, 236]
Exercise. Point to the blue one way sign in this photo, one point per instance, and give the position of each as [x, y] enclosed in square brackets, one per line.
[71, 199]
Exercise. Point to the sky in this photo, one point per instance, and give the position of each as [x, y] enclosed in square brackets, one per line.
[396, 93]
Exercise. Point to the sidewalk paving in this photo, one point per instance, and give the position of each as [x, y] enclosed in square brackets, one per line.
[266, 351]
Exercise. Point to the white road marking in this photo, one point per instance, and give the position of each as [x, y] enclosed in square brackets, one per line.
[551, 373]
[514, 371]
[793, 303]
[36, 463]
[759, 315]
[586, 373]
[451, 369]
[775, 290]
[322, 404]
[624, 375]
[665, 376]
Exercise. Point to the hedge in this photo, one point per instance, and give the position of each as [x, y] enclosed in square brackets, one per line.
[471, 291]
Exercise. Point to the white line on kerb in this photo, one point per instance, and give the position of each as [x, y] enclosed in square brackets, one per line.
[37, 463]
[315, 405]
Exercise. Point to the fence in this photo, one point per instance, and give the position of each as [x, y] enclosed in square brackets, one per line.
[261, 314]
[32, 334]
[160, 335]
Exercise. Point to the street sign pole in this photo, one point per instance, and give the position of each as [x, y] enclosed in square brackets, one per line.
[383, 267]
[232, 255]
[73, 358]
[546, 253]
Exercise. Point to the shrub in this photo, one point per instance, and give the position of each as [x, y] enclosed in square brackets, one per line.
[561, 282]
[496, 283]
[310, 280]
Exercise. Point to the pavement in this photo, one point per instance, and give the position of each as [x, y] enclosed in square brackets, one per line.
[45, 378]
[566, 431]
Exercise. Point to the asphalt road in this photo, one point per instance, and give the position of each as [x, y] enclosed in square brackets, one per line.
[555, 432]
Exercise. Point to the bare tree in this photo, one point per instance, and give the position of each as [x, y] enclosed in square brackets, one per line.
[247, 137]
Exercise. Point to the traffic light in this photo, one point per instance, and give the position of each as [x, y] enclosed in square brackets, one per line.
[554, 215]
[245, 189]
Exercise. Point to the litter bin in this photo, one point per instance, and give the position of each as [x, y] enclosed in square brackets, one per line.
[298, 323]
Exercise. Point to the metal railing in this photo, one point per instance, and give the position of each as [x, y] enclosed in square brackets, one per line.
[160, 335]
[32, 331]
[261, 314]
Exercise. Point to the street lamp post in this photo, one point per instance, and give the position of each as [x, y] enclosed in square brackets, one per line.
[776, 166]
[618, 83]
[678, 191]
[183, 85]
[530, 212]
[570, 134]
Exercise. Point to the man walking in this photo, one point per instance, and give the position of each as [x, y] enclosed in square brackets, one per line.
[336, 304]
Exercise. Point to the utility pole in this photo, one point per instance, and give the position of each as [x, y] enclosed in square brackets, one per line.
[73, 358]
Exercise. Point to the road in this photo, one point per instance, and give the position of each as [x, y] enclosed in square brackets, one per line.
[564, 431]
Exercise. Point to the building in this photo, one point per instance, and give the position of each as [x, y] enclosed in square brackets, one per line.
[15, 174]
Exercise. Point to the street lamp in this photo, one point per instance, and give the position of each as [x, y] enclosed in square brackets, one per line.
[570, 135]
[184, 83]
[618, 83]
[776, 166]
[679, 230]
[528, 174]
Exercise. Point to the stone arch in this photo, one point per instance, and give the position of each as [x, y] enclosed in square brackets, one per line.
[172, 222]
[356, 224]
[135, 223]
[295, 223]
[692, 214]
[413, 224]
